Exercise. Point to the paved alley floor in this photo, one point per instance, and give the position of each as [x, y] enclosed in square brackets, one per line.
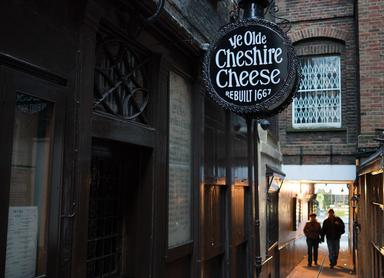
[343, 269]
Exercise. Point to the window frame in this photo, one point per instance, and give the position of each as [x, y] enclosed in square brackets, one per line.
[337, 125]
[15, 82]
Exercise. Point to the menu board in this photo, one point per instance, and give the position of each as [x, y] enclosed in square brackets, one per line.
[21, 242]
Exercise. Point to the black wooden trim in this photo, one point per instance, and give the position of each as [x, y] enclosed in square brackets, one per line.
[372, 163]
[123, 131]
[7, 103]
[198, 160]
[178, 252]
[218, 250]
[32, 69]
[83, 142]
[108, 27]
[235, 244]
[228, 233]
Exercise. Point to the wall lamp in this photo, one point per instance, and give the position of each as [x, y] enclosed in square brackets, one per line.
[355, 199]
[264, 123]
[376, 172]
[275, 179]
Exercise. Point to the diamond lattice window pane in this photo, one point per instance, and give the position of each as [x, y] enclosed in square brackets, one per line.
[318, 102]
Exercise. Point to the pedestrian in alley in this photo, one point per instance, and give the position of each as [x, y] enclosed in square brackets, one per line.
[312, 232]
[333, 228]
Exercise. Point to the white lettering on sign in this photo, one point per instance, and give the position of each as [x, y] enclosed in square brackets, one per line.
[248, 95]
[251, 57]
[250, 38]
[245, 78]
[236, 66]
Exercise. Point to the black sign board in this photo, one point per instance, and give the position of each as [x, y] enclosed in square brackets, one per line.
[251, 69]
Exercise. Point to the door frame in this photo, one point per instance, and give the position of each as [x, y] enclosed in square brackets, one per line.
[14, 81]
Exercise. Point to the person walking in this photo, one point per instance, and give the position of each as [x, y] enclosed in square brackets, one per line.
[333, 228]
[312, 231]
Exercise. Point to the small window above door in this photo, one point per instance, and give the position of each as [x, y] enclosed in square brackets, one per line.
[120, 80]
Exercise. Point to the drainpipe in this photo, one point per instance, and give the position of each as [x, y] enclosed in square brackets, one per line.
[258, 258]
[254, 9]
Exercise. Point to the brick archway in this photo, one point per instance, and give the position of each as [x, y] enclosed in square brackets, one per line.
[318, 31]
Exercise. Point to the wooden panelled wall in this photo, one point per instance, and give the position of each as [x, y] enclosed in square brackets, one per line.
[370, 225]
[223, 194]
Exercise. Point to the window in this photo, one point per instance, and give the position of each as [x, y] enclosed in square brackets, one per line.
[318, 101]
[272, 218]
[297, 215]
[180, 161]
[120, 80]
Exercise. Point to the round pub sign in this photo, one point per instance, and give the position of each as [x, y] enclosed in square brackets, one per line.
[251, 69]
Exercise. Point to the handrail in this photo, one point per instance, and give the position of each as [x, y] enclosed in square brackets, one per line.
[378, 204]
[267, 260]
[289, 242]
[380, 249]
[273, 246]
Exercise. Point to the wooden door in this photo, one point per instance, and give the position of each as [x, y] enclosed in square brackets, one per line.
[115, 214]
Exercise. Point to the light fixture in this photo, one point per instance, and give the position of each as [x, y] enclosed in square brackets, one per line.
[275, 179]
[355, 199]
[376, 172]
[264, 123]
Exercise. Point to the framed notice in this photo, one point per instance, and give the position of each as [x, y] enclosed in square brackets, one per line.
[21, 242]
[179, 161]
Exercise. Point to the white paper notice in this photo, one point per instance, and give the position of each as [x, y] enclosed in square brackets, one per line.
[21, 242]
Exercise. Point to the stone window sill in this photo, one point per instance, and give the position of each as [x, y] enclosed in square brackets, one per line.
[306, 130]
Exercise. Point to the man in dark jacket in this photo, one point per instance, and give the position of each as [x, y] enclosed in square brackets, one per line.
[333, 228]
[312, 232]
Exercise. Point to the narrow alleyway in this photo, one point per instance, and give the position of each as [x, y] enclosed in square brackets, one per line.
[343, 269]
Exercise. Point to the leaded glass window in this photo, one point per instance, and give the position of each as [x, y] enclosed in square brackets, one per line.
[120, 80]
[318, 101]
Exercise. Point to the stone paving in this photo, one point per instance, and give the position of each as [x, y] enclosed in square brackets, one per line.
[343, 269]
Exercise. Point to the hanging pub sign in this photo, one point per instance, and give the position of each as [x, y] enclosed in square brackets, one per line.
[251, 68]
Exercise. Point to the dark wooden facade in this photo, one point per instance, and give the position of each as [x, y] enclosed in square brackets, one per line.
[106, 190]
[368, 203]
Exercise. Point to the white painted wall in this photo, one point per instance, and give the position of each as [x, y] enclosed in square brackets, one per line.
[320, 173]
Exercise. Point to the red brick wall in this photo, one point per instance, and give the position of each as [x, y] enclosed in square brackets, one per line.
[324, 27]
[371, 51]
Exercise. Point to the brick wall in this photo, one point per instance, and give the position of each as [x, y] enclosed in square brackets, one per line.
[371, 58]
[323, 28]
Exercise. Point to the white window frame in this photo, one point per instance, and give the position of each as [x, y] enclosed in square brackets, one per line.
[320, 124]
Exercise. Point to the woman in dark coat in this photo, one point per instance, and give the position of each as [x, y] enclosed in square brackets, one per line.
[312, 232]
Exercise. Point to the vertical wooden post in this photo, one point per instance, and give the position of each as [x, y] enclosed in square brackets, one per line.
[250, 202]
